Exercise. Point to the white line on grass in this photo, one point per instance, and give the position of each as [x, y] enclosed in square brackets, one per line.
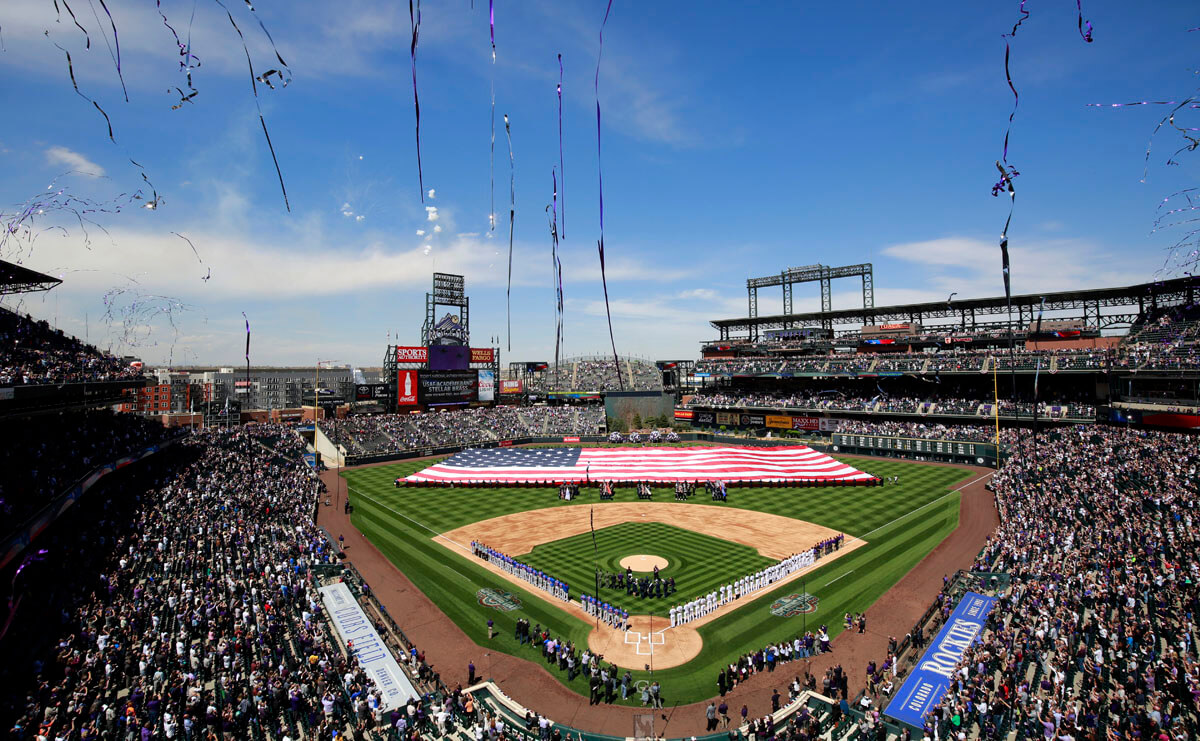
[421, 524]
[848, 573]
[923, 506]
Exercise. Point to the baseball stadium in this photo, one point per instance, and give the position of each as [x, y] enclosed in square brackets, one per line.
[801, 449]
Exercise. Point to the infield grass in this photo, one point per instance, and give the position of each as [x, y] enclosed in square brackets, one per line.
[698, 563]
[901, 524]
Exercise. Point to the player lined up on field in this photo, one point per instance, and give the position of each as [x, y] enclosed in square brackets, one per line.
[541, 580]
[726, 593]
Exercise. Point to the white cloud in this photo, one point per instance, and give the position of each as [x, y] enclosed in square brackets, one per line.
[360, 217]
[432, 194]
[971, 266]
[420, 232]
[705, 293]
[431, 213]
[74, 160]
[437, 228]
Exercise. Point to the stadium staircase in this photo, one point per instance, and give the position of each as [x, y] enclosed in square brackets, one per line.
[574, 373]
[524, 421]
[925, 366]
[871, 368]
[1053, 364]
[575, 421]
[629, 373]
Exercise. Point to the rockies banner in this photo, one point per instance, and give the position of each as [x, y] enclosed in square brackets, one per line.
[931, 678]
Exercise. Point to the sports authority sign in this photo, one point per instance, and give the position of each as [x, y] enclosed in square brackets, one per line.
[412, 354]
[794, 604]
[497, 599]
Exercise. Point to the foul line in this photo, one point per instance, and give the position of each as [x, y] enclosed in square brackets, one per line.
[848, 573]
[927, 504]
[436, 534]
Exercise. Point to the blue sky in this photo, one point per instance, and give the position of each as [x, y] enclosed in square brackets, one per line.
[738, 140]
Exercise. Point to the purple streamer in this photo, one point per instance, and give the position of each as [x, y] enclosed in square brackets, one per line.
[512, 215]
[415, 22]
[492, 150]
[555, 271]
[600, 174]
[258, 105]
[117, 43]
[1008, 74]
[561, 167]
[74, 84]
[1085, 35]
[87, 38]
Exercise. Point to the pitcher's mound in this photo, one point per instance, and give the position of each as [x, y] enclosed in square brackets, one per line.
[643, 562]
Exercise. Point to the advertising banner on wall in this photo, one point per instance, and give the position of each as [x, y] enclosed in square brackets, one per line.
[510, 387]
[448, 387]
[482, 354]
[753, 420]
[684, 414]
[806, 423]
[487, 385]
[930, 679]
[726, 418]
[407, 387]
[705, 418]
[779, 421]
[830, 425]
[370, 649]
[412, 354]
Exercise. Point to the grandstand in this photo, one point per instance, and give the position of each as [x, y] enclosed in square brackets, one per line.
[597, 374]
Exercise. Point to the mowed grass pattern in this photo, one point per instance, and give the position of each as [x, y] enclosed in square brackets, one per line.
[901, 524]
[699, 563]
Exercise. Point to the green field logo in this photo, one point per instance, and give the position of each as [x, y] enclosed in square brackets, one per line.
[503, 601]
[794, 604]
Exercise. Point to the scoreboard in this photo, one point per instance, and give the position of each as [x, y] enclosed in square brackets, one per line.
[915, 445]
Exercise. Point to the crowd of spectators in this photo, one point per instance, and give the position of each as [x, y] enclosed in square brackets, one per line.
[32, 352]
[929, 430]
[53, 451]
[1096, 638]
[892, 404]
[182, 604]
[1179, 354]
[599, 374]
[390, 433]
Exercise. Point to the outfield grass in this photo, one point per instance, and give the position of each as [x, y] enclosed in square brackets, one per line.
[699, 563]
[900, 523]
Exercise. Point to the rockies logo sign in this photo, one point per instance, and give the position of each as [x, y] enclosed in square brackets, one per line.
[503, 601]
[794, 604]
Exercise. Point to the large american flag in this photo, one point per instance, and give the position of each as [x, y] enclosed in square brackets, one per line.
[785, 463]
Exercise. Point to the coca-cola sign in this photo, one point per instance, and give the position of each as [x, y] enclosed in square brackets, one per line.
[406, 389]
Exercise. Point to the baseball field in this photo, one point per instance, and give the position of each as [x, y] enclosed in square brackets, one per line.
[426, 532]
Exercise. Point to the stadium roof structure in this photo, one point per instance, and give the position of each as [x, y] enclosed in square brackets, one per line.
[19, 279]
[1124, 306]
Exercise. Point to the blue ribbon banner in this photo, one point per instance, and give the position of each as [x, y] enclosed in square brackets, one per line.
[924, 688]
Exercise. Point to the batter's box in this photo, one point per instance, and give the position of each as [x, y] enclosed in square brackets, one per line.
[662, 639]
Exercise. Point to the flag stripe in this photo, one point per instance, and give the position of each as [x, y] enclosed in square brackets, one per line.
[792, 463]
